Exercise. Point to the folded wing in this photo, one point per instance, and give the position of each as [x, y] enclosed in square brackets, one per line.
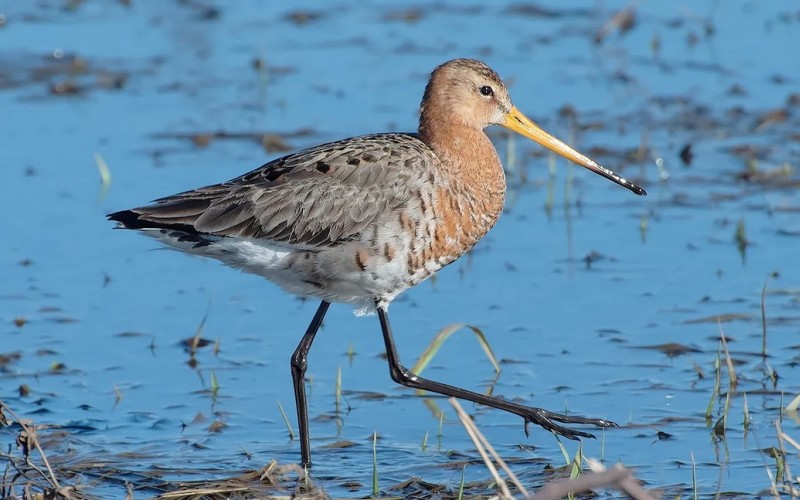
[318, 197]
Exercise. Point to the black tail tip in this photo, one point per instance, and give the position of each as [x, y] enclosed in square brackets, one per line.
[126, 218]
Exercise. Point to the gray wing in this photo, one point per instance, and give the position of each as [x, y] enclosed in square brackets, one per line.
[317, 197]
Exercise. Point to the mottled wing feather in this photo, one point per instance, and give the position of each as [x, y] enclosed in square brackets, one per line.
[321, 196]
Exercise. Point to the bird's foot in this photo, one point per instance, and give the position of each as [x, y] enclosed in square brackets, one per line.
[547, 420]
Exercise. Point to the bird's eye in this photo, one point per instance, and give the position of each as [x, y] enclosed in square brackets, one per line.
[486, 90]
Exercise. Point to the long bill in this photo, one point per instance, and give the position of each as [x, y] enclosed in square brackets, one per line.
[521, 124]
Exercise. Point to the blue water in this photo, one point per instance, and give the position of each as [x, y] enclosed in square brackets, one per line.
[113, 308]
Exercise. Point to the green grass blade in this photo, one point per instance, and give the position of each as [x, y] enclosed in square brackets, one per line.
[567, 460]
[764, 315]
[338, 390]
[286, 421]
[461, 486]
[427, 356]
[746, 419]
[715, 393]
[375, 490]
[214, 384]
[694, 477]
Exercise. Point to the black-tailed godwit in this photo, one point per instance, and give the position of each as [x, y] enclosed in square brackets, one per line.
[361, 220]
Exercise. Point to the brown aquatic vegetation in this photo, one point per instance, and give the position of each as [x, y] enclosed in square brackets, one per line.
[60, 479]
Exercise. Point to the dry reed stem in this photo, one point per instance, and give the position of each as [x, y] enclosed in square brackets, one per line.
[556, 490]
[28, 436]
[473, 432]
[789, 440]
[491, 450]
[618, 477]
[787, 470]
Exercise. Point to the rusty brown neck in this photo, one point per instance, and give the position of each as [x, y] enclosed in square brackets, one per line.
[469, 162]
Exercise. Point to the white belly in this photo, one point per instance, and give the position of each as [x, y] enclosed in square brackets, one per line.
[332, 274]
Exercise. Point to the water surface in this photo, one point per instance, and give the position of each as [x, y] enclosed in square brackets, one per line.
[576, 287]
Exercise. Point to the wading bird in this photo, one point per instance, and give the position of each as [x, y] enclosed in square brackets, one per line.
[363, 219]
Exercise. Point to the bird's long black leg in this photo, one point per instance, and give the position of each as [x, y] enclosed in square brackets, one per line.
[299, 364]
[538, 416]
